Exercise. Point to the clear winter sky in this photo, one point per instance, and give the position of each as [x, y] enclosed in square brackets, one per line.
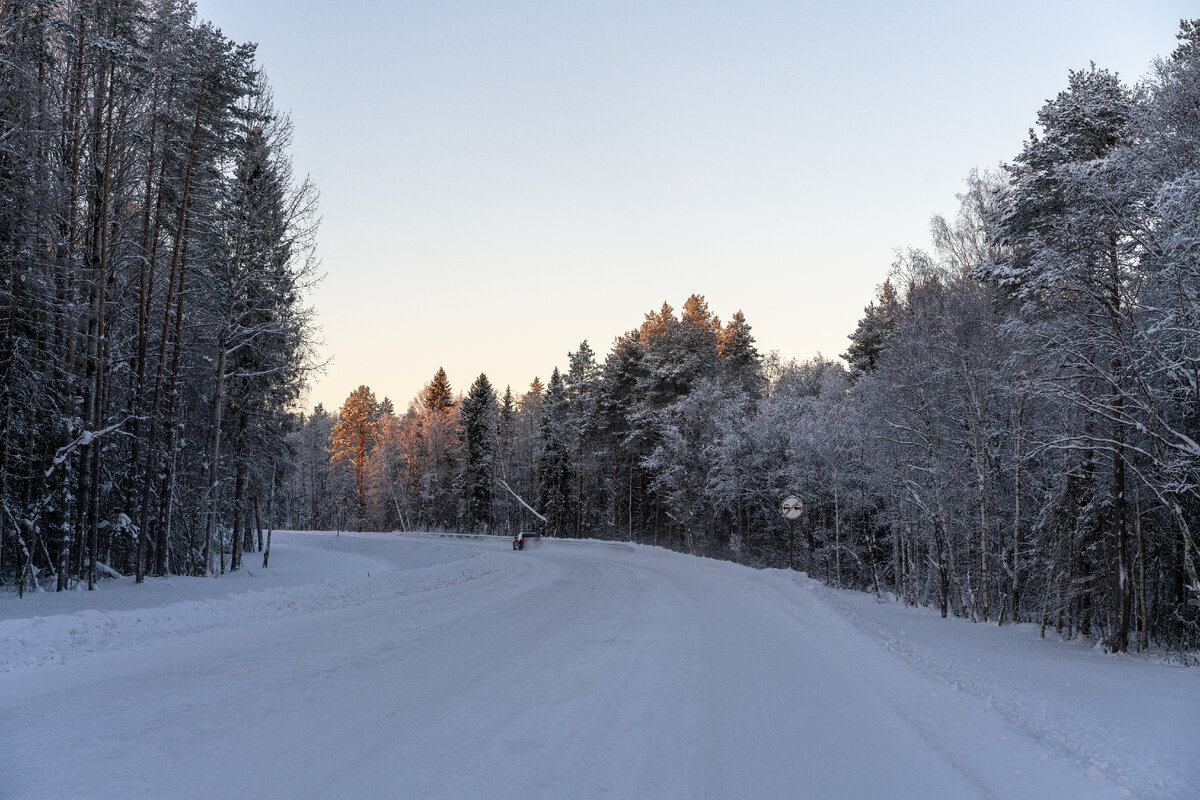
[501, 180]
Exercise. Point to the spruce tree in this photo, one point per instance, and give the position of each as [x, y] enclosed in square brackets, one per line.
[478, 424]
[740, 358]
[437, 395]
[554, 464]
[874, 329]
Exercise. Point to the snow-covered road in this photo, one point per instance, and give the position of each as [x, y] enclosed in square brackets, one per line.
[462, 669]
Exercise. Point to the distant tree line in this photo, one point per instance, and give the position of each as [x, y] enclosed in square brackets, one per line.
[1015, 438]
[154, 247]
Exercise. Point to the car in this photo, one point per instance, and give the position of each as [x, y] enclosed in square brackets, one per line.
[522, 539]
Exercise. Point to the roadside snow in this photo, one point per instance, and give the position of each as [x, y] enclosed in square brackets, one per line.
[1132, 718]
[308, 572]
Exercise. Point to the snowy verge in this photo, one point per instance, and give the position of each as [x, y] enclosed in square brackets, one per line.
[309, 572]
[1113, 715]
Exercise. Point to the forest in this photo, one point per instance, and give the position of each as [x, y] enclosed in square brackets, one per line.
[1012, 435]
[155, 249]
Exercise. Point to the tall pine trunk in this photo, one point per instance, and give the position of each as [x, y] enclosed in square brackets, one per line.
[163, 529]
[152, 464]
[239, 495]
[214, 456]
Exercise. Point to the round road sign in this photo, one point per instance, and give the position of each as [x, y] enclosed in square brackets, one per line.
[792, 507]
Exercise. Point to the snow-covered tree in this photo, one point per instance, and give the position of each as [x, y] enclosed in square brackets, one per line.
[124, 128]
[554, 461]
[478, 430]
[352, 438]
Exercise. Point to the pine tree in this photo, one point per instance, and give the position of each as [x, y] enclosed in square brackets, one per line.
[508, 409]
[352, 437]
[437, 395]
[554, 463]
[1061, 222]
[874, 329]
[507, 510]
[583, 436]
[741, 361]
[478, 423]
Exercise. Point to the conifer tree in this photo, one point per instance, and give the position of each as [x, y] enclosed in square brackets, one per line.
[506, 510]
[124, 130]
[352, 437]
[478, 423]
[583, 435]
[554, 463]
[735, 345]
[1062, 223]
[438, 395]
[873, 331]
[508, 409]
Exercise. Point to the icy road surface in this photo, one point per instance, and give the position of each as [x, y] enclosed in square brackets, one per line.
[462, 669]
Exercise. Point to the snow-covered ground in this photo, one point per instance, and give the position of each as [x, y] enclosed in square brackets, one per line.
[385, 665]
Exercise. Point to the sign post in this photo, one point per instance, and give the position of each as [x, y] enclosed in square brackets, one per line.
[791, 509]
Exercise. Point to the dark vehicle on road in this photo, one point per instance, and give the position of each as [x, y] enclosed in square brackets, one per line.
[522, 539]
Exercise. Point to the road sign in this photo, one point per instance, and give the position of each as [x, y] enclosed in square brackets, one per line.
[792, 507]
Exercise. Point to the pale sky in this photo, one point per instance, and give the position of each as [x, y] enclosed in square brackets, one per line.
[501, 180]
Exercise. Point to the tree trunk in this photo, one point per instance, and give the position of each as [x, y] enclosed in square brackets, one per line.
[258, 523]
[1120, 640]
[837, 529]
[1016, 562]
[162, 549]
[96, 348]
[214, 457]
[150, 239]
[153, 460]
[239, 498]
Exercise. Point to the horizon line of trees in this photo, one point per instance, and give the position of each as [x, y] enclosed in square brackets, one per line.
[1014, 437]
[155, 248]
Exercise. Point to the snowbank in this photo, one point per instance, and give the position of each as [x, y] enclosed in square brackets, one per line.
[309, 572]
